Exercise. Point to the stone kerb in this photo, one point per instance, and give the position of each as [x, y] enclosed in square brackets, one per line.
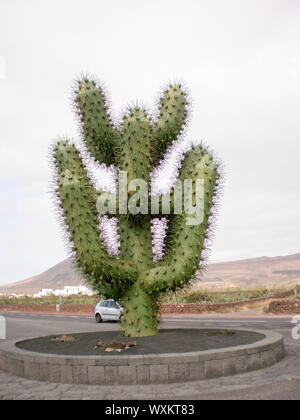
[144, 369]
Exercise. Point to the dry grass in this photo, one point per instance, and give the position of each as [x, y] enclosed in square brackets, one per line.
[209, 297]
[50, 300]
[63, 339]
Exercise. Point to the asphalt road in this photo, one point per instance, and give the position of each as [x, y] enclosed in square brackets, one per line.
[281, 381]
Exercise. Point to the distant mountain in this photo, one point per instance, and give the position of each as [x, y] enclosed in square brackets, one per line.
[62, 274]
[264, 271]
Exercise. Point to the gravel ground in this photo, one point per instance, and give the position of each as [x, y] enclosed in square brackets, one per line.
[167, 341]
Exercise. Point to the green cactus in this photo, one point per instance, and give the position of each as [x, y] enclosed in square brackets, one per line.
[136, 146]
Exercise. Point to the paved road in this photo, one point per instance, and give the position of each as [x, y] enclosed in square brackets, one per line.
[281, 381]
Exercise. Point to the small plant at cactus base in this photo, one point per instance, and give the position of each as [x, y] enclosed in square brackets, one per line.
[127, 248]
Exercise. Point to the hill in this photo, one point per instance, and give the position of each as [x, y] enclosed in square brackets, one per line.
[62, 274]
[264, 271]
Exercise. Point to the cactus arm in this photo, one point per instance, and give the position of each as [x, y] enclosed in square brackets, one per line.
[185, 243]
[99, 134]
[135, 159]
[173, 112]
[77, 199]
[135, 145]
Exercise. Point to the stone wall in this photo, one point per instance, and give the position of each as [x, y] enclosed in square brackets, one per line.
[285, 307]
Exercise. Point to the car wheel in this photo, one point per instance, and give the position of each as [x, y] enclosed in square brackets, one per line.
[98, 319]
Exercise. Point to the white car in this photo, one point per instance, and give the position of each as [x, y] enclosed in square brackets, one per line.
[108, 310]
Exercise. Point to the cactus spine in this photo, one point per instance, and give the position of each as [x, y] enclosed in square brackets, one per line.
[136, 146]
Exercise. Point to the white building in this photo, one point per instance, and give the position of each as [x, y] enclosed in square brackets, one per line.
[66, 291]
[44, 293]
[11, 295]
[73, 290]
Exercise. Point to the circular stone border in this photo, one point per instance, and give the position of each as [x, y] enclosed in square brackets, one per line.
[143, 369]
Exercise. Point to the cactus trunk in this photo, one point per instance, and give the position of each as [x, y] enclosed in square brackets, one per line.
[140, 314]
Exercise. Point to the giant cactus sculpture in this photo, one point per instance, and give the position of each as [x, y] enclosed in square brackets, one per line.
[136, 146]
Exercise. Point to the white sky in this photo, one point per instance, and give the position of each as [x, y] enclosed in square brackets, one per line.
[241, 62]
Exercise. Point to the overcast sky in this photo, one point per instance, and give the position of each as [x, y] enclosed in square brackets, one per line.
[241, 62]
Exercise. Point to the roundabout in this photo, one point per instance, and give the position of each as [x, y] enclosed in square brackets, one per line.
[200, 354]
